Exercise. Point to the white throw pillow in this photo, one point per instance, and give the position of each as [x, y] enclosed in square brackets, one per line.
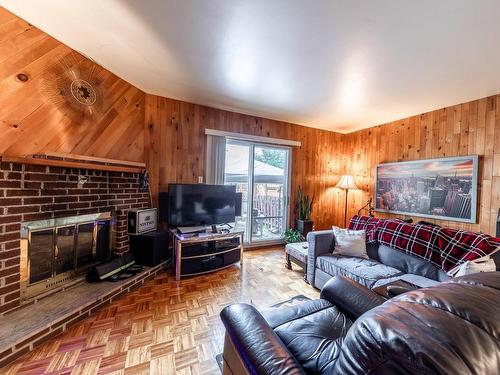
[350, 242]
[483, 264]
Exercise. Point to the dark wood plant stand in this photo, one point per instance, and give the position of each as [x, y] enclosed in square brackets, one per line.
[304, 226]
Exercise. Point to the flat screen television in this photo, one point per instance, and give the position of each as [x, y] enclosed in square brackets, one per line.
[200, 204]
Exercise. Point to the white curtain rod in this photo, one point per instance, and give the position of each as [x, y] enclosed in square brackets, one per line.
[256, 138]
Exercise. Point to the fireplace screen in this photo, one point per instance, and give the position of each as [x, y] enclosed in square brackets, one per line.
[64, 258]
[59, 250]
[85, 245]
[40, 255]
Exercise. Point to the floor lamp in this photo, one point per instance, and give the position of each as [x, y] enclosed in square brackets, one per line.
[346, 183]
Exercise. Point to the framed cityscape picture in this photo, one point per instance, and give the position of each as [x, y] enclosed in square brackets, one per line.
[443, 188]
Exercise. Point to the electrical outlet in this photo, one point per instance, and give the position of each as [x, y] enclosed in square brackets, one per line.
[200, 179]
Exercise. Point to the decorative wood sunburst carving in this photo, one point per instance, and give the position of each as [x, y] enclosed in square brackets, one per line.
[73, 84]
[83, 92]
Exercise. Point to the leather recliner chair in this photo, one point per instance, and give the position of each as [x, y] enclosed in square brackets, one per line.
[451, 328]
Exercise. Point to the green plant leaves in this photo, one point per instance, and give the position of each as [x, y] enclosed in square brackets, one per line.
[293, 235]
[304, 205]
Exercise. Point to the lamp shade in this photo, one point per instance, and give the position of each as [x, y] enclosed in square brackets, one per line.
[346, 182]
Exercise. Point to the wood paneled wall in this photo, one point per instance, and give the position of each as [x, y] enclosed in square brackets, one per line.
[464, 129]
[34, 118]
[170, 135]
[175, 150]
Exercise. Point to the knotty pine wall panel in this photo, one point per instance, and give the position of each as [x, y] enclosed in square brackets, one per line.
[171, 140]
[35, 119]
[175, 150]
[169, 134]
[464, 129]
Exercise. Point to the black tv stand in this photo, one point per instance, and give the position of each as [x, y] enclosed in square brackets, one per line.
[206, 252]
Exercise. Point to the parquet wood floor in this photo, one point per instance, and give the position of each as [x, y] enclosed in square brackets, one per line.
[165, 327]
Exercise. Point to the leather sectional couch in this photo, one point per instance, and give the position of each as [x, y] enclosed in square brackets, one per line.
[450, 328]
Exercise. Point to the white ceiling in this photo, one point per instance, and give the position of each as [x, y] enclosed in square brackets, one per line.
[335, 64]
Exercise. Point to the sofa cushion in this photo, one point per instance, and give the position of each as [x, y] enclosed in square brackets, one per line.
[313, 332]
[417, 280]
[364, 271]
[279, 314]
[409, 263]
[350, 242]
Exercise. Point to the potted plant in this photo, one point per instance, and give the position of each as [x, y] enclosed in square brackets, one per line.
[304, 224]
[293, 235]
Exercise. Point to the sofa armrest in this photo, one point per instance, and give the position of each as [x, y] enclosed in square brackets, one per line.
[319, 242]
[259, 348]
[352, 298]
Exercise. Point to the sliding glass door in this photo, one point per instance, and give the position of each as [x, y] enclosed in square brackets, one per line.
[261, 174]
[237, 172]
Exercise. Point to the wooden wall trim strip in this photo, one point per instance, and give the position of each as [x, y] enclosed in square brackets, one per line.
[69, 164]
[63, 155]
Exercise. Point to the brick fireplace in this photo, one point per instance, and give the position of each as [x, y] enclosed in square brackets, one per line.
[35, 192]
[57, 253]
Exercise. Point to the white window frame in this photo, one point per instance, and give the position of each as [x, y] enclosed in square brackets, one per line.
[286, 204]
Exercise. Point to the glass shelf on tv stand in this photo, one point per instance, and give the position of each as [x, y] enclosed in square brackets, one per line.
[180, 240]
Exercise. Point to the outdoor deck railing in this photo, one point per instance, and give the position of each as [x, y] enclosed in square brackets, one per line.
[269, 212]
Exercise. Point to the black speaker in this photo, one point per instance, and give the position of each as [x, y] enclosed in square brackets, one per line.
[238, 200]
[163, 207]
[150, 249]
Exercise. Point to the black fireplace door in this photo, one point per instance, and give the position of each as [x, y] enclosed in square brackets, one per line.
[65, 249]
[41, 255]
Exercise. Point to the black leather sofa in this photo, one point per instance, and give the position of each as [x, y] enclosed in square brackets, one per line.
[451, 328]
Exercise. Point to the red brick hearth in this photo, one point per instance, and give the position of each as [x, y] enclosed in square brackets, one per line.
[34, 192]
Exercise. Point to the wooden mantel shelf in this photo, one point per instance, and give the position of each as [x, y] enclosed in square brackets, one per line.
[59, 159]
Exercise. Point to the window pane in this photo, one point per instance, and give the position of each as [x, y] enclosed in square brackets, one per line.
[269, 193]
[236, 173]
[264, 204]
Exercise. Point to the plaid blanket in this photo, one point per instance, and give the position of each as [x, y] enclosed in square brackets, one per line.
[444, 247]
[366, 223]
